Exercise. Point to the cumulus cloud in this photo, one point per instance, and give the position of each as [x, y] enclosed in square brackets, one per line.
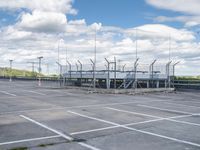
[63, 6]
[38, 31]
[189, 8]
[161, 31]
[39, 21]
[185, 6]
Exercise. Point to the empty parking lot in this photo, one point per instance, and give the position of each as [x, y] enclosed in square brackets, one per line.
[70, 119]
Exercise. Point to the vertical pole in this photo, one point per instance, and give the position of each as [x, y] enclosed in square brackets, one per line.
[10, 70]
[39, 69]
[115, 73]
[33, 67]
[108, 77]
[168, 73]
[70, 68]
[95, 56]
[81, 67]
[94, 86]
[174, 71]
[136, 44]
[58, 55]
[135, 74]
[124, 67]
[169, 47]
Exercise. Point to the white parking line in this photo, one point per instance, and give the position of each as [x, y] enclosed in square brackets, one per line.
[131, 112]
[182, 105]
[59, 133]
[141, 131]
[82, 106]
[7, 93]
[29, 140]
[94, 130]
[30, 91]
[129, 124]
[163, 109]
[161, 118]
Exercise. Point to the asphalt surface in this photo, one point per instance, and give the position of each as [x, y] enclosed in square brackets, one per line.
[38, 118]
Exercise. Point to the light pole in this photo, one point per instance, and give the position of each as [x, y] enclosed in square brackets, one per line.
[108, 78]
[151, 71]
[81, 69]
[174, 65]
[11, 61]
[135, 73]
[94, 82]
[40, 69]
[70, 69]
[60, 68]
[59, 52]
[168, 73]
[95, 58]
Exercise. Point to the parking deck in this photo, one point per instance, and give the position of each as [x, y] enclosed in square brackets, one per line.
[69, 119]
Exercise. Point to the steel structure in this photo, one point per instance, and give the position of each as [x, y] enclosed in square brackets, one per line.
[120, 78]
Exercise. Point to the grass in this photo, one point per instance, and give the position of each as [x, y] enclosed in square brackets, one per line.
[195, 78]
[18, 73]
[19, 148]
[44, 145]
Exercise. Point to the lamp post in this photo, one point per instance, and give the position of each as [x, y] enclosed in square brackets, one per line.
[93, 69]
[151, 71]
[11, 61]
[174, 65]
[60, 72]
[81, 69]
[70, 69]
[168, 73]
[40, 69]
[135, 73]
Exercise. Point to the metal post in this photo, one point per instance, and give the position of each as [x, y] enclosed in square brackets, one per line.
[168, 73]
[33, 66]
[11, 61]
[115, 73]
[76, 67]
[151, 71]
[135, 73]
[174, 71]
[70, 69]
[95, 59]
[108, 78]
[93, 65]
[123, 68]
[81, 68]
[60, 68]
[40, 69]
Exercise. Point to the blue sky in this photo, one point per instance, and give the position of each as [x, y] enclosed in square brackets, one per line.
[29, 29]
[123, 13]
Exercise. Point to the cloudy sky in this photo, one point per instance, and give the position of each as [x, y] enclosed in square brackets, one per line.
[160, 29]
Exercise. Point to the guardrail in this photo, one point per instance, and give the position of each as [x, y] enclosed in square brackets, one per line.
[187, 84]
